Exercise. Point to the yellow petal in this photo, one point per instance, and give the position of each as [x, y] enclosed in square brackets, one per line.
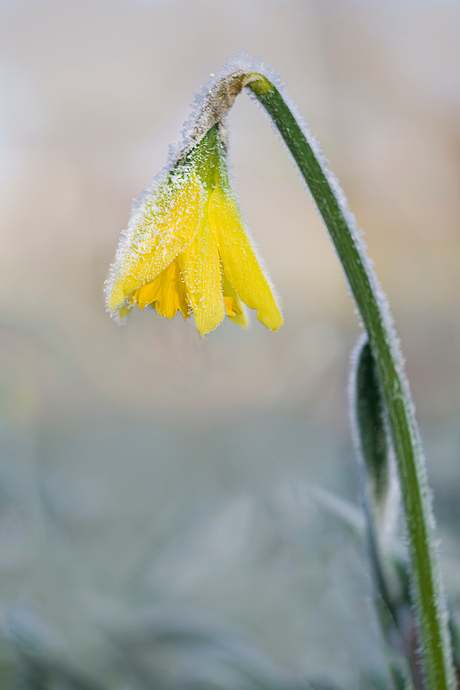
[240, 261]
[201, 269]
[171, 295]
[148, 293]
[167, 225]
[234, 308]
[167, 293]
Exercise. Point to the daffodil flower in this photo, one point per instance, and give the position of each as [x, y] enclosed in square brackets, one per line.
[186, 248]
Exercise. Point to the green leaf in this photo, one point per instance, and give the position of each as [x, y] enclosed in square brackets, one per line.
[371, 429]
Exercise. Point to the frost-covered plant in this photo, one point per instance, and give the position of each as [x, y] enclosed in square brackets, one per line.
[186, 249]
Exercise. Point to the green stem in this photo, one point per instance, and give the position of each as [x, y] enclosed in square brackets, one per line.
[428, 597]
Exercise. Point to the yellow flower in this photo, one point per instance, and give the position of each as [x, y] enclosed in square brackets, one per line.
[186, 249]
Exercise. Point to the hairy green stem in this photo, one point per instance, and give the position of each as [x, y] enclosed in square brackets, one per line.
[428, 597]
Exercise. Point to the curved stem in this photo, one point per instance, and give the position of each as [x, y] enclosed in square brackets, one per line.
[428, 597]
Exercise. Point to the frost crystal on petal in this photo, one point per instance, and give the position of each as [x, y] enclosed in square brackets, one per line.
[161, 226]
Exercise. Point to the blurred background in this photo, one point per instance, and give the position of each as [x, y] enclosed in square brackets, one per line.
[157, 527]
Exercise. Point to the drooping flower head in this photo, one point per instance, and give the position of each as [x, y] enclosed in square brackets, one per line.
[186, 248]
